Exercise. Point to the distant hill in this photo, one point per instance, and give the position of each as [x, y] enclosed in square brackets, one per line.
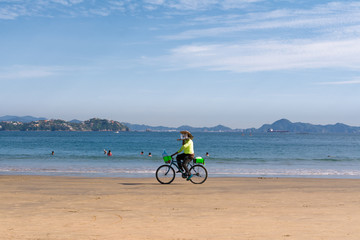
[75, 121]
[25, 119]
[282, 125]
[218, 128]
[94, 124]
[142, 128]
[29, 123]
[298, 127]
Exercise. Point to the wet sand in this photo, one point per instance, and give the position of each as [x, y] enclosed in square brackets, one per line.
[40, 207]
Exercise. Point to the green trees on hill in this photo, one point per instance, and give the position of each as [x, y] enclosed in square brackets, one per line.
[94, 124]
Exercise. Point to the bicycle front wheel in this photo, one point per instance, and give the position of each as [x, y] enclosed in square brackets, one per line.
[165, 174]
[199, 173]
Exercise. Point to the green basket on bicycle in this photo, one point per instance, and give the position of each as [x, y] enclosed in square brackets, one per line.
[167, 159]
[199, 160]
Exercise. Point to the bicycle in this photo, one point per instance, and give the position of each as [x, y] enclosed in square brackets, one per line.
[165, 174]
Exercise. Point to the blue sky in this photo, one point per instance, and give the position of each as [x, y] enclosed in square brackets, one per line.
[240, 63]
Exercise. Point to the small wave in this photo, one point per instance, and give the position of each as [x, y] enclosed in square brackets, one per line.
[212, 171]
[293, 173]
[335, 159]
[80, 171]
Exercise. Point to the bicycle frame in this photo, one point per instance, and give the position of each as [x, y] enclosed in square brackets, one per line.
[174, 162]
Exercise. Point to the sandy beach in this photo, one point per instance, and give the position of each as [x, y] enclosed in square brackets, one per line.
[40, 207]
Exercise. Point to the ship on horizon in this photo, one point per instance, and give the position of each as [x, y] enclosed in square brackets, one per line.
[272, 130]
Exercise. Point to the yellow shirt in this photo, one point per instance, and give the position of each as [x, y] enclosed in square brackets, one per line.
[188, 147]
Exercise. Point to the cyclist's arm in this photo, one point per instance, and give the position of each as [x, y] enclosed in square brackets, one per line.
[182, 148]
[176, 153]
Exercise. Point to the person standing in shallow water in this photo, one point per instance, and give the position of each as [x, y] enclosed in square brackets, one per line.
[109, 153]
[188, 155]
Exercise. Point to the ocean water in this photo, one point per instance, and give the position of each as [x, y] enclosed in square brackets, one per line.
[231, 154]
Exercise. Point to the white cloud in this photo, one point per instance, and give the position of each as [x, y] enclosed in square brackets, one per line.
[340, 83]
[155, 2]
[191, 4]
[200, 5]
[266, 56]
[13, 9]
[12, 12]
[67, 2]
[339, 18]
[100, 12]
[28, 72]
[10, 9]
[323, 36]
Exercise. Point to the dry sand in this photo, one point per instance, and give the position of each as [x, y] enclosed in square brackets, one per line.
[37, 207]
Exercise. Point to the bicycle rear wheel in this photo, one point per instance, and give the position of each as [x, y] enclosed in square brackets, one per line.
[199, 173]
[165, 174]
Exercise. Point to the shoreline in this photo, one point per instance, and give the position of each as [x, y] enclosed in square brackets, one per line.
[56, 207]
[216, 176]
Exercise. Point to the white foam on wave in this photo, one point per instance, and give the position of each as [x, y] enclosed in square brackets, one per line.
[80, 171]
[212, 171]
[289, 172]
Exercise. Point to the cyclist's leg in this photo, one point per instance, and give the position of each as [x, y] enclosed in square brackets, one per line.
[187, 159]
[179, 159]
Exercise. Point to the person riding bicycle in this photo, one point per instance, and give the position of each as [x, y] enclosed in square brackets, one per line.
[188, 155]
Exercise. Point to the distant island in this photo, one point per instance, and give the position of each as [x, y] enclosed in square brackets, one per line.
[284, 125]
[28, 123]
[280, 126]
[94, 124]
[147, 128]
